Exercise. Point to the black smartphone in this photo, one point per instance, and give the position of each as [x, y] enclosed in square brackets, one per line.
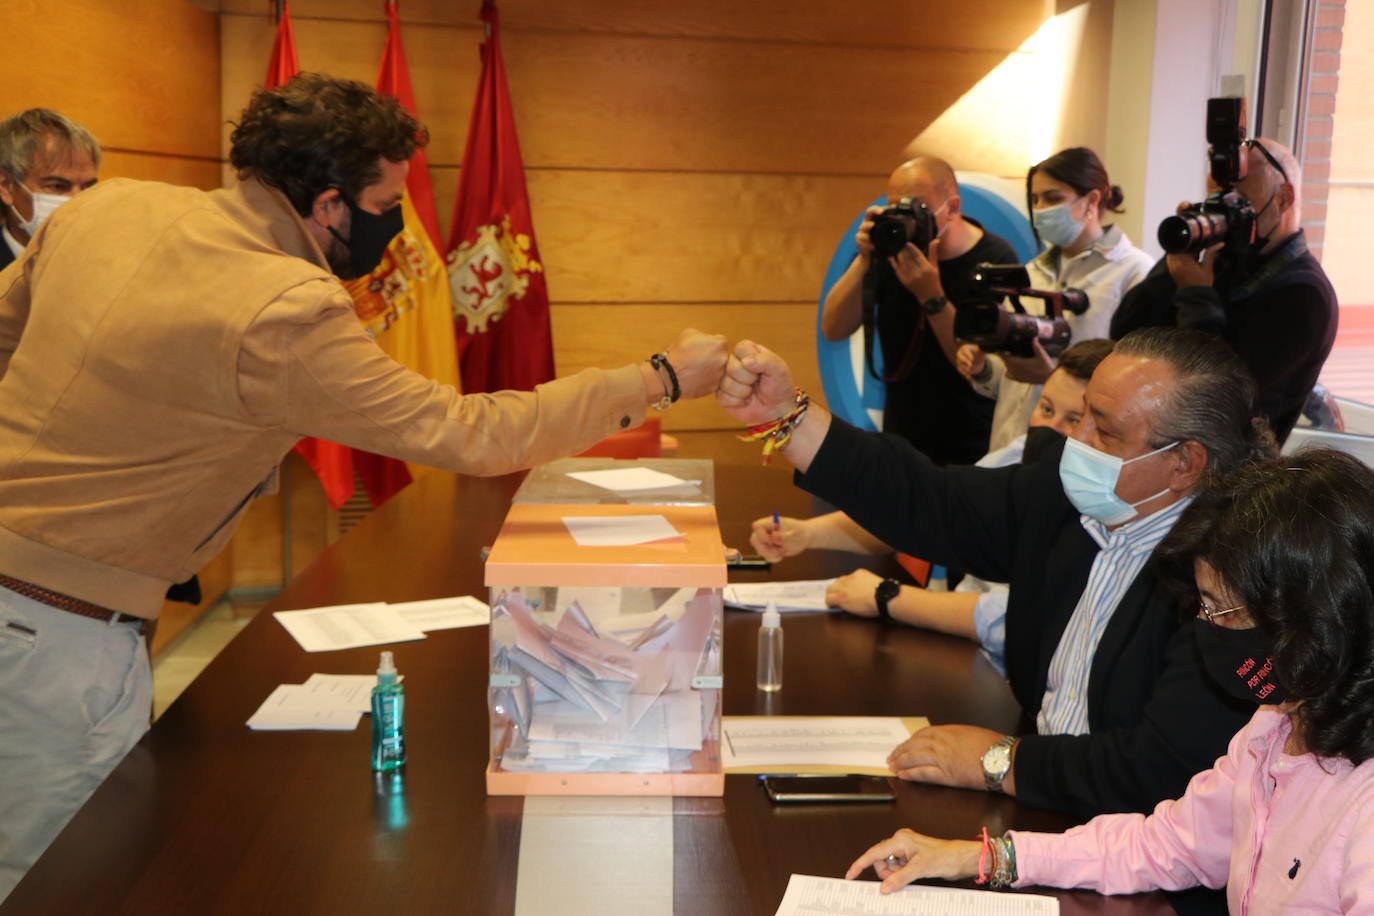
[825, 788]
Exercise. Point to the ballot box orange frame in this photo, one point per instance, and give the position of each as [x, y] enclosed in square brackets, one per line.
[605, 674]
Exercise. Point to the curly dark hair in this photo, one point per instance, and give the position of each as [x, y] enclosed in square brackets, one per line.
[1292, 539]
[319, 132]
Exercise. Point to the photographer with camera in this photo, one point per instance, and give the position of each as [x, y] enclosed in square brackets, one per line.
[902, 294]
[1255, 283]
[1067, 196]
[1123, 711]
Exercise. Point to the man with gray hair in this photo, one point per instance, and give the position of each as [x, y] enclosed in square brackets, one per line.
[45, 158]
[1276, 308]
[1124, 712]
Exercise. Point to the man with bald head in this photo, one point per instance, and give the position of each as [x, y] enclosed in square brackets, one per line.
[908, 300]
[45, 158]
[1276, 308]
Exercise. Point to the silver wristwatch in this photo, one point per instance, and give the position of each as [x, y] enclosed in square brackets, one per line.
[997, 763]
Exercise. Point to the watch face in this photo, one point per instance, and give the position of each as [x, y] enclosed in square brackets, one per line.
[888, 589]
[997, 760]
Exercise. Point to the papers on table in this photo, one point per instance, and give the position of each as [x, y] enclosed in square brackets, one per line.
[635, 480]
[798, 743]
[590, 694]
[619, 530]
[798, 595]
[324, 701]
[811, 896]
[348, 626]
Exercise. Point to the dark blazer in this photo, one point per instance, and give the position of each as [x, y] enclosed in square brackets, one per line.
[6, 256]
[1155, 717]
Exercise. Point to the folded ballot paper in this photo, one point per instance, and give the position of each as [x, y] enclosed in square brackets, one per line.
[601, 690]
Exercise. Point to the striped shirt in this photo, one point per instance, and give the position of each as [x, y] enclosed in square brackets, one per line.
[1124, 553]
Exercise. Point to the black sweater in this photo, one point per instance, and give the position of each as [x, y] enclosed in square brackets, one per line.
[1154, 716]
[1281, 320]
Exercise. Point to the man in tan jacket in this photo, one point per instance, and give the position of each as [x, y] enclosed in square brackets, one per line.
[161, 350]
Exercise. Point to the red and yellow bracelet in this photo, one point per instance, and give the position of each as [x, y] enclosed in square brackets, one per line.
[777, 433]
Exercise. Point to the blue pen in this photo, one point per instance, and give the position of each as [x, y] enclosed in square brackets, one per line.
[777, 521]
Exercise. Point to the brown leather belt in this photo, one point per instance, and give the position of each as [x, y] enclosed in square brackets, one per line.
[73, 605]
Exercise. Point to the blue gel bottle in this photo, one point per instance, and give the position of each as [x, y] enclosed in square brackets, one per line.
[388, 718]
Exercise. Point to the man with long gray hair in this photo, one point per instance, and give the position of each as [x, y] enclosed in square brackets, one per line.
[1124, 713]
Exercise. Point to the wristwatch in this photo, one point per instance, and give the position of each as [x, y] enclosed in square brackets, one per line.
[935, 304]
[885, 592]
[997, 763]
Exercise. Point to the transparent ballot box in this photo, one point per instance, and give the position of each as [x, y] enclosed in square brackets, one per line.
[552, 483]
[606, 657]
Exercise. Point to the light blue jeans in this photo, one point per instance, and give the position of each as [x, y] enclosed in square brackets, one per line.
[74, 698]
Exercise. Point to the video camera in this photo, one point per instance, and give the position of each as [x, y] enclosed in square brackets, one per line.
[995, 329]
[907, 220]
[1225, 216]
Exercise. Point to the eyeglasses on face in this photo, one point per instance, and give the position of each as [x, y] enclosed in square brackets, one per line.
[1212, 614]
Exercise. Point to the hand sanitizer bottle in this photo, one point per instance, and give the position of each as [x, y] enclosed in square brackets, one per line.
[770, 650]
[388, 718]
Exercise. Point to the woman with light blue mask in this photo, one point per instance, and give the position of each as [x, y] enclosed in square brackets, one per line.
[1067, 196]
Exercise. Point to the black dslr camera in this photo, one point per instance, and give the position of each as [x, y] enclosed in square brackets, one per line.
[995, 329]
[1225, 216]
[905, 221]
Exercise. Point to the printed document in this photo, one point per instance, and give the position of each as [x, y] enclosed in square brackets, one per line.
[798, 595]
[347, 626]
[811, 896]
[784, 743]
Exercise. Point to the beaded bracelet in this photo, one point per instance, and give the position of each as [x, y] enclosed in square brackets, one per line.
[777, 433]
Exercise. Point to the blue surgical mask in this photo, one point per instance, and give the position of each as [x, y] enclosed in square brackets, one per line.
[1056, 225]
[1089, 478]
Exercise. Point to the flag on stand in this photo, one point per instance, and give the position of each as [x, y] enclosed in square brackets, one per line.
[496, 278]
[403, 305]
[283, 64]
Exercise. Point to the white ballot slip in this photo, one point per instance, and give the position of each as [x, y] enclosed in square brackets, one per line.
[790, 597]
[296, 706]
[632, 480]
[619, 530]
[798, 741]
[444, 613]
[808, 895]
[347, 626]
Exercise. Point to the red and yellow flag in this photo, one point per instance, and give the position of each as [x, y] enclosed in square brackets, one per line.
[496, 277]
[403, 305]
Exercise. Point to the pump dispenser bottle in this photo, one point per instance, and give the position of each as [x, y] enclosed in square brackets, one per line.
[388, 717]
[770, 650]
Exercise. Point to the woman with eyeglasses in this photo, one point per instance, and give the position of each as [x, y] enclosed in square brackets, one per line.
[1281, 557]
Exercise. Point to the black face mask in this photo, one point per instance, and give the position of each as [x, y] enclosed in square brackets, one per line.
[1039, 440]
[1239, 662]
[368, 237]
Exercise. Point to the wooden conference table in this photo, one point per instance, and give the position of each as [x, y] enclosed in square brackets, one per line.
[205, 816]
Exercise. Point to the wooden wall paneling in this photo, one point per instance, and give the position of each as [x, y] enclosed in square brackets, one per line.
[215, 579]
[686, 236]
[607, 336]
[969, 24]
[199, 173]
[140, 74]
[618, 102]
[257, 544]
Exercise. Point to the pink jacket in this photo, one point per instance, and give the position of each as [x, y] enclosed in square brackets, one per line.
[1285, 834]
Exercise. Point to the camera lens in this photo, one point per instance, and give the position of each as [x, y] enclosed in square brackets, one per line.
[888, 235]
[1191, 231]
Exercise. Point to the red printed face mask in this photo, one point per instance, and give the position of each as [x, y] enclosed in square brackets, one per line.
[1239, 662]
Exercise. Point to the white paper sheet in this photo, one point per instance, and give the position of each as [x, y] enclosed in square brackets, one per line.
[348, 691]
[347, 626]
[444, 613]
[856, 741]
[631, 480]
[808, 895]
[619, 530]
[295, 706]
[795, 596]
